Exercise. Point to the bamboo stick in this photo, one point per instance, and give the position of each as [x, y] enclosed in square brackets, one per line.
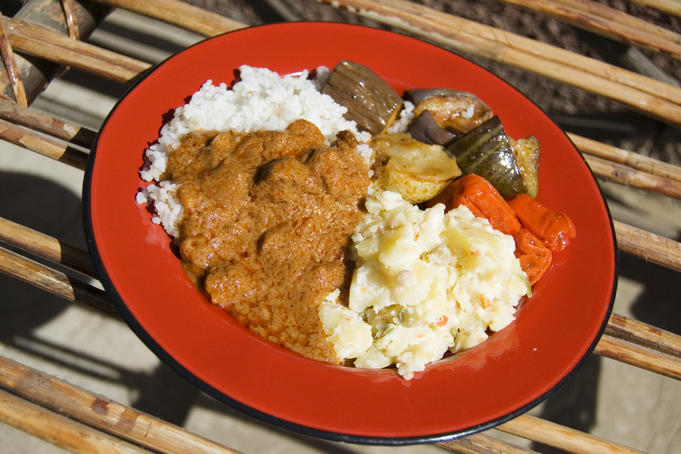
[672, 7]
[635, 160]
[648, 246]
[657, 99]
[43, 145]
[620, 17]
[45, 246]
[633, 178]
[620, 173]
[638, 356]
[57, 283]
[481, 443]
[11, 66]
[19, 115]
[54, 282]
[644, 334]
[624, 175]
[59, 430]
[182, 14]
[36, 73]
[617, 75]
[45, 43]
[546, 52]
[609, 22]
[557, 436]
[103, 414]
[69, 17]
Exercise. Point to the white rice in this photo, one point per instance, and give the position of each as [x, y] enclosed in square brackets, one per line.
[167, 209]
[402, 122]
[261, 100]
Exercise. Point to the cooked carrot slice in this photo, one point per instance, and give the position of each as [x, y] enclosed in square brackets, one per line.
[534, 257]
[479, 196]
[553, 227]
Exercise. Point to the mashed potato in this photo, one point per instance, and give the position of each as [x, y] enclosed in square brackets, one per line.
[426, 282]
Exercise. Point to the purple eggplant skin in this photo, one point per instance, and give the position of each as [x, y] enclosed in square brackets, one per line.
[454, 110]
[486, 150]
[371, 102]
[419, 94]
[424, 128]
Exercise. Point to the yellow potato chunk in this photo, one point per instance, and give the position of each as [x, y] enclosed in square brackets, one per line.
[415, 170]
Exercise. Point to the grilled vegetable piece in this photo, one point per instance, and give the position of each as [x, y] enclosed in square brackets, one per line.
[457, 111]
[482, 199]
[415, 170]
[526, 152]
[371, 102]
[486, 150]
[425, 129]
[554, 228]
[534, 257]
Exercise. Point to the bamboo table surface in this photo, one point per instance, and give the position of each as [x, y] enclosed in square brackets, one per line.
[62, 380]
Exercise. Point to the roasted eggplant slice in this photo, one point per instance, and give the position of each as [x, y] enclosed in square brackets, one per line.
[526, 152]
[457, 111]
[415, 170]
[486, 150]
[425, 129]
[371, 102]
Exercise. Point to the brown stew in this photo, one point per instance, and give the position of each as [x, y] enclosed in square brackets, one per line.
[267, 218]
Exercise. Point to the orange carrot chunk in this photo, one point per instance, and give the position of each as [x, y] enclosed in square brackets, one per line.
[553, 227]
[534, 257]
[484, 201]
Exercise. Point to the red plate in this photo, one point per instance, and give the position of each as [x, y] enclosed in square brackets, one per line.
[506, 375]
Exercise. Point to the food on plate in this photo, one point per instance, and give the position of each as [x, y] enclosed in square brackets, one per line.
[259, 101]
[313, 209]
[553, 227]
[526, 151]
[255, 234]
[371, 102]
[426, 282]
[535, 258]
[416, 170]
[484, 201]
[425, 129]
[453, 110]
[441, 116]
[486, 151]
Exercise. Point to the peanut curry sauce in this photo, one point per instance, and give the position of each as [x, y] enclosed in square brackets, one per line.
[267, 217]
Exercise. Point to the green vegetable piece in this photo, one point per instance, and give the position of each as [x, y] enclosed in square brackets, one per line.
[486, 150]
